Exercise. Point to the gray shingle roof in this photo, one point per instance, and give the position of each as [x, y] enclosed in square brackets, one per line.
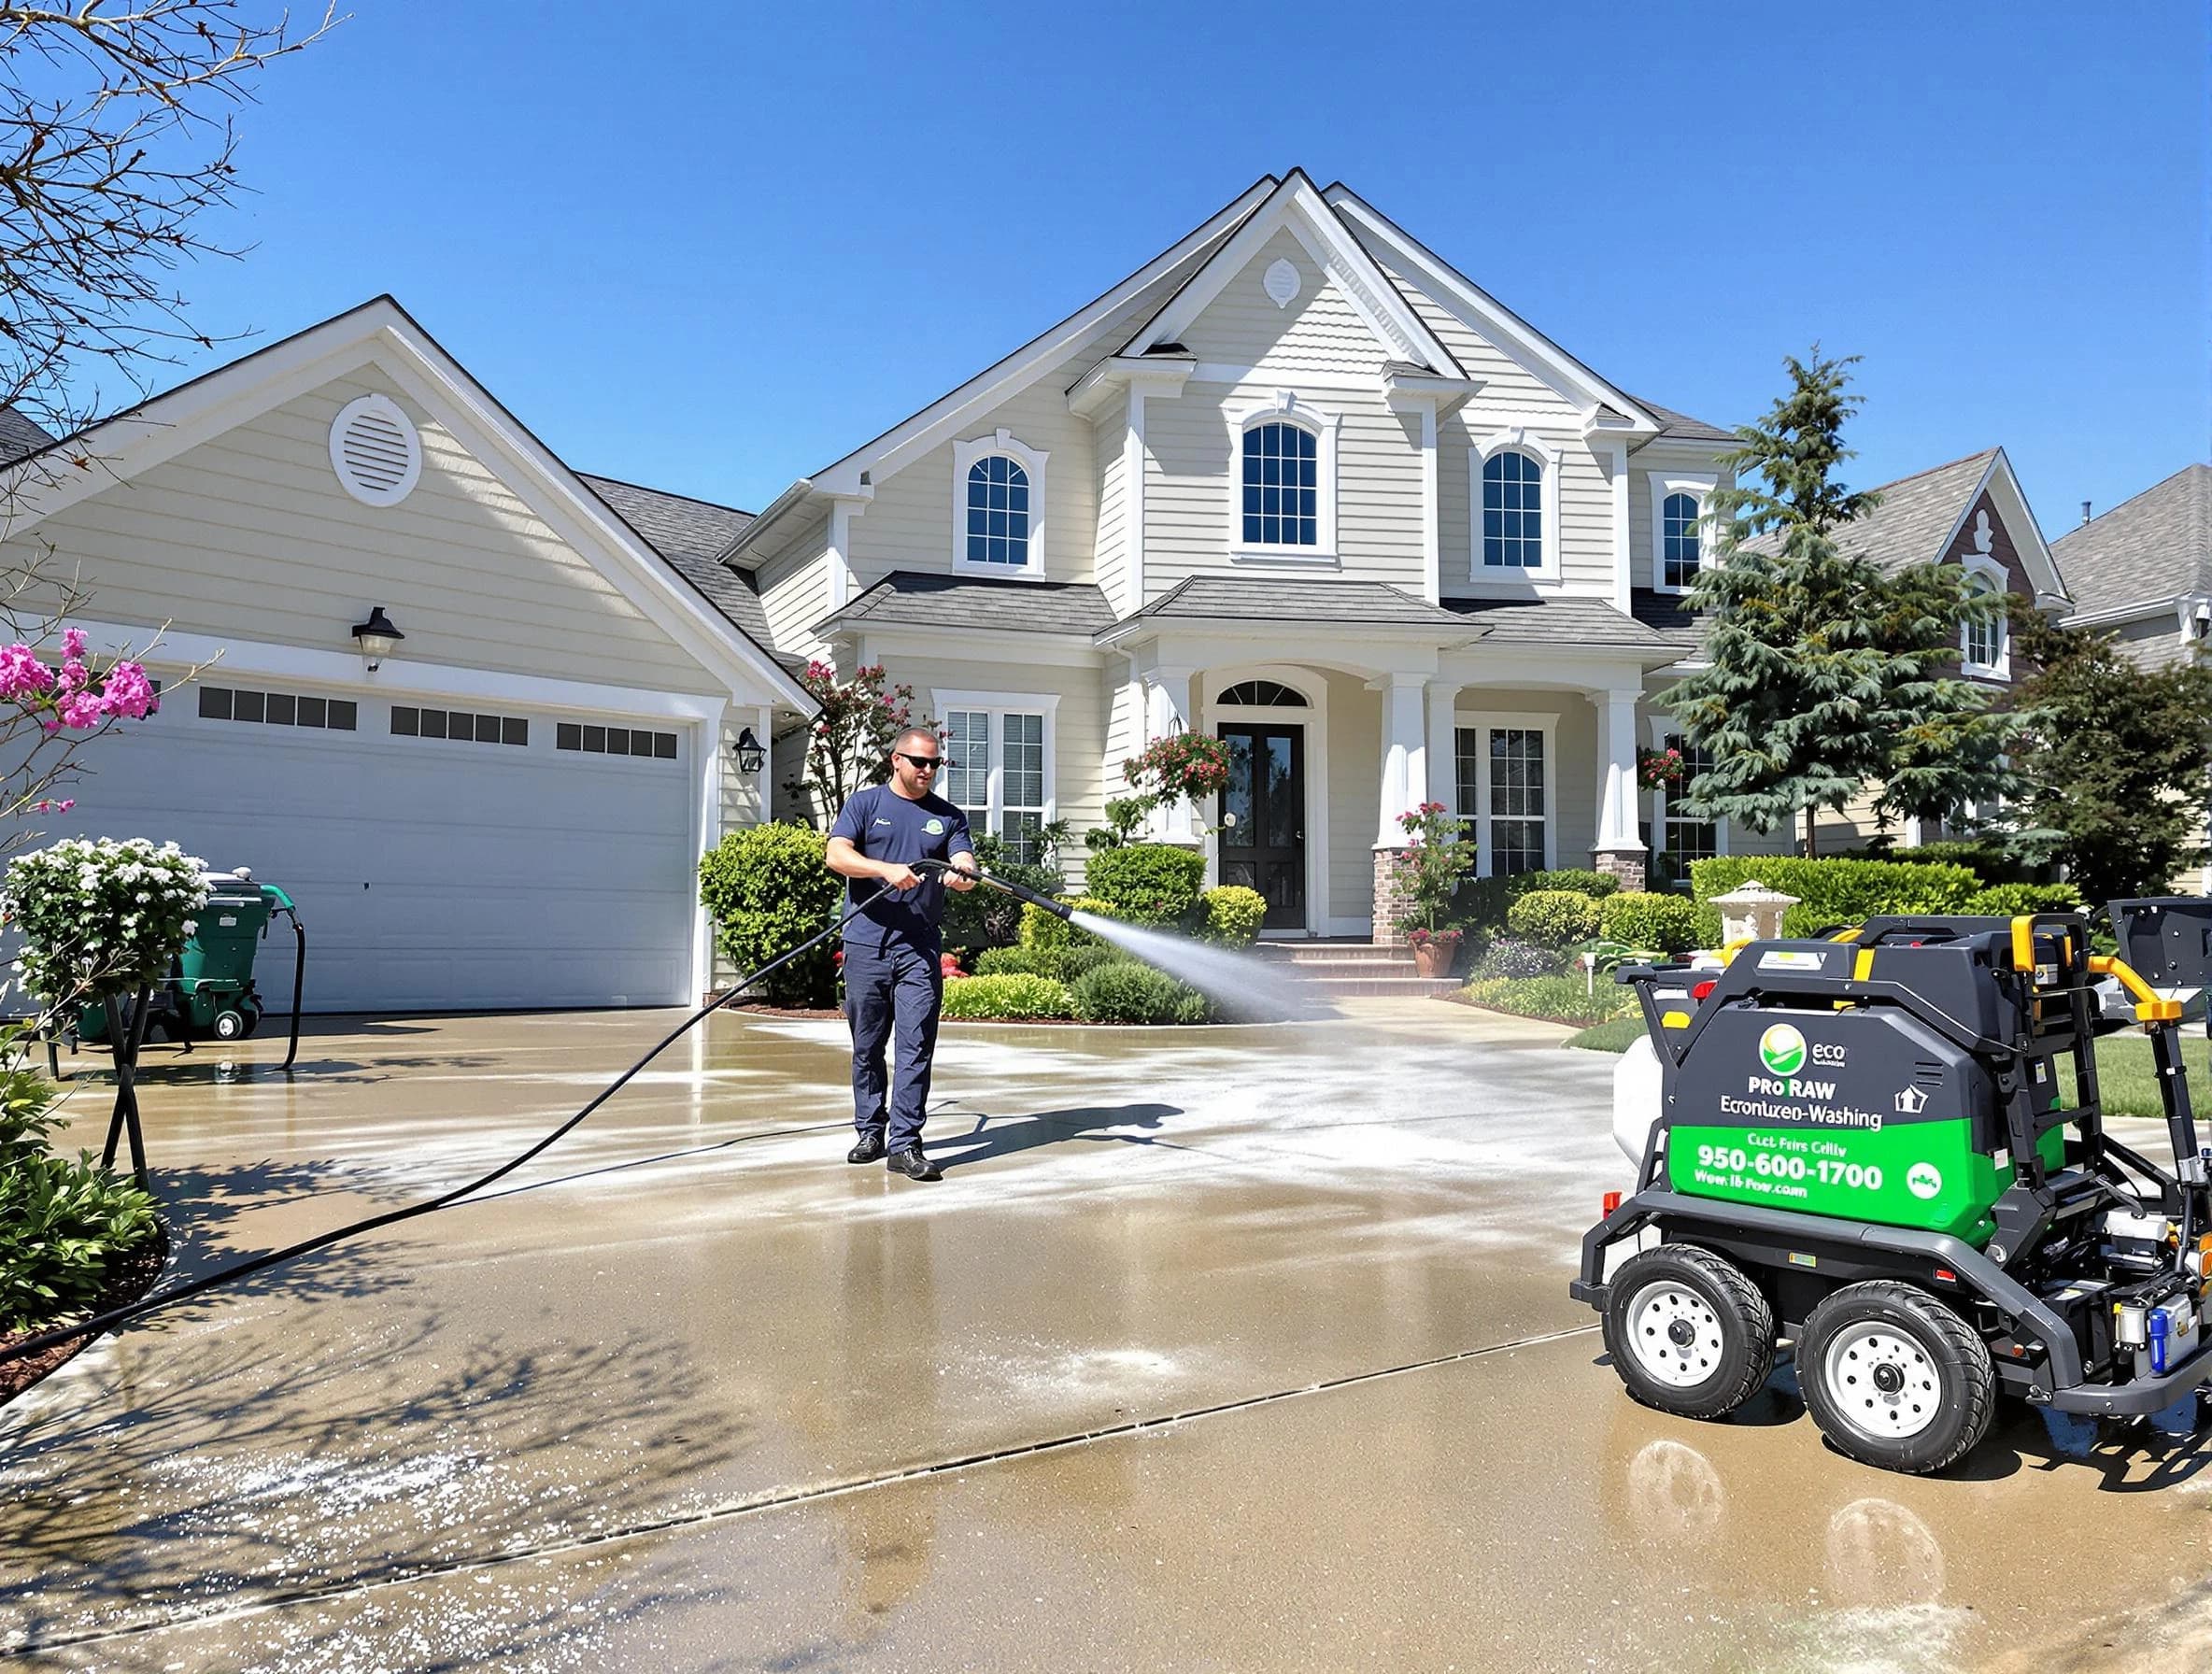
[1274, 599]
[20, 434]
[688, 533]
[1665, 615]
[909, 598]
[1672, 423]
[1915, 518]
[1564, 622]
[2144, 550]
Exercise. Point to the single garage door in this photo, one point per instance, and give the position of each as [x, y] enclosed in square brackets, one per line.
[444, 854]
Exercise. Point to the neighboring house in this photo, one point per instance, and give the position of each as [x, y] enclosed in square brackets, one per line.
[1971, 513]
[1297, 482]
[509, 811]
[2143, 571]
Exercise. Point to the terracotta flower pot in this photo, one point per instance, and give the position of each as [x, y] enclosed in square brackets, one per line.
[1434, 958]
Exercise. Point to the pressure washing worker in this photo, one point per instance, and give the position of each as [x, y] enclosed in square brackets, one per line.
[893, 980]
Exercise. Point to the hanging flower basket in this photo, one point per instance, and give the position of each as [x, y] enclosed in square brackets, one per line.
[1189, 765]
[1660, 770]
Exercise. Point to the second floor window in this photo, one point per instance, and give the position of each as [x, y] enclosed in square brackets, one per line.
[1983, 644]
[1512, 512]
[1677, 541]
[1281, 487]
[997, 512]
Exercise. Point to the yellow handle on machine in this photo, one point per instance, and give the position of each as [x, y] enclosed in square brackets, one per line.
[2149, 1008]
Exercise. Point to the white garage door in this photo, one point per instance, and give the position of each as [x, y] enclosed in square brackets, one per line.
[446, 855]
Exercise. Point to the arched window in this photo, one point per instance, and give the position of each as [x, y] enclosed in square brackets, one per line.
[1263, 694]
[1677, 541]
[997, 512]
[1512, 511]
[1281, 486]
[1983, 642]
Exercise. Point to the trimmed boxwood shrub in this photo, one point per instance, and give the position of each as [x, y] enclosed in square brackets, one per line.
[1017, 961]
[1148, 883]
[1482, 904]
[1666, 923]
[767, 888]
[1507, 957]
[1042, 929]
[1013, 996]
[1985, 860]
[1554, 917]
[2009, 900]
[1553, 998]
[1124, 991]
[1832, 892]
[1078, 962]
[1234, 915]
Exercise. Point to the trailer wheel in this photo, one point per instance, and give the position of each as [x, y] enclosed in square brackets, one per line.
[1894, 1378]
[229, 1026]
[1689, 1333]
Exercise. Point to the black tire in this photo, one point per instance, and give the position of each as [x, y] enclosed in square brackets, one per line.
[229, 1026]
[1689, 1332]
[1894, 1378]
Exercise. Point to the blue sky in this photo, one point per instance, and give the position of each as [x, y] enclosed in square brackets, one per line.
[713, 248]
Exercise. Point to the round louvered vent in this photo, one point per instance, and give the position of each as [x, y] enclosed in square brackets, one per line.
[376, 451]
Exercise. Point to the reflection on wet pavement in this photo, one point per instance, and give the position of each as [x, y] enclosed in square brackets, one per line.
[697, 1394]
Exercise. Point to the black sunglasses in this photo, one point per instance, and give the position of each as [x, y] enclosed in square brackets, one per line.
[928, 762]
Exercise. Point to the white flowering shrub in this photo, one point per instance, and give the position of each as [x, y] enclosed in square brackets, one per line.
[100, 916]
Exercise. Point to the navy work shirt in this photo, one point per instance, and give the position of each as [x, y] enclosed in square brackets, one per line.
[884, 826]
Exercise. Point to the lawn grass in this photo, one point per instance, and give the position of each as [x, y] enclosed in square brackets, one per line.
[2125, 1072]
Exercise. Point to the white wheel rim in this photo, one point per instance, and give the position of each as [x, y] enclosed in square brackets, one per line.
[1881, 1381]
[1674, 1334]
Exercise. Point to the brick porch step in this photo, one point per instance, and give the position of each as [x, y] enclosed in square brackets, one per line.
[1354, 969]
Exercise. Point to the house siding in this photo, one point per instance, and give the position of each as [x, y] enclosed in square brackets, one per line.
[1667, 459]
[1355, 781]
[250, 536]
[1318, 330]
[795, 590]
[1110, 559]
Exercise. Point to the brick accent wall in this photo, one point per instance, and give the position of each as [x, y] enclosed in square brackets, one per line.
[1625, 864]
[1391, 900]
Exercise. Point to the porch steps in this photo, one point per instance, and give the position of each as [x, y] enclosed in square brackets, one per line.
[1354, 969]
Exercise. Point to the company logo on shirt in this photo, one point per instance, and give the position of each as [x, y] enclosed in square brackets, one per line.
[934, 826]
[883, 822]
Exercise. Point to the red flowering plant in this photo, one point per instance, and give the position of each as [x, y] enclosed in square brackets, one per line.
[849, 745]
[1438, 853]
[1660, 770]
[1180, 766]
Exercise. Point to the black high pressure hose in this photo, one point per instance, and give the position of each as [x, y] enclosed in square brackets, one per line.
[322, 1241]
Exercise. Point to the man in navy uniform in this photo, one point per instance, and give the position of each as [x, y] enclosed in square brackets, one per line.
[893, 980]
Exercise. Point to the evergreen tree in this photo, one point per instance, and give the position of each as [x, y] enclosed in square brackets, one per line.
[2117, 762]
[1825, 674]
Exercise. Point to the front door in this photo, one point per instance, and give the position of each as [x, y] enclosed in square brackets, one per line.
[1263, 819]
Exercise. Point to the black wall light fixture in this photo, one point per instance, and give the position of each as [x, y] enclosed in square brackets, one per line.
[377, 637]
[751, 755]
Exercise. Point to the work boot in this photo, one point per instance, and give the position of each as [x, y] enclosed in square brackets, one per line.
[868, 1149]
[913, 1165]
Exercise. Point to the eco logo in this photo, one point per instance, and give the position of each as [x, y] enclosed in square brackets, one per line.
[1781, 1049]
[935, 827]
[1922, 1181]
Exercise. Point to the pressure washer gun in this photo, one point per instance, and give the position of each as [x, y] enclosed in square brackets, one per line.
[1020, 892]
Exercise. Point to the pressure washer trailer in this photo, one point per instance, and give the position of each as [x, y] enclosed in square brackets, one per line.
[1887, 1148]
[211, 990]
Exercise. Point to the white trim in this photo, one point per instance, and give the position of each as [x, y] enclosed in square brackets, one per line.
[1661, 727]
[706, 817]
[966, 457]
[1132, 504]
[1624, 542]
[1518, 438]
[1481, 721]
[837, 554]
[1982, 565]
[1659, 485]
[1314, 718]
[997, 705]
[383, 408]
[1285, 407]
[1268, 377]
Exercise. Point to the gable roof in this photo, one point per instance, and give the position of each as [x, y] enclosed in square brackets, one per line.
[689, 533]
[912, 598]
[21, 434]
[1235, 599]
[1297, 205]
[382, 333]
[1672, 423]
[2147, 551]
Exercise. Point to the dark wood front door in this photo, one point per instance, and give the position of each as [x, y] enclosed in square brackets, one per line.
[1263, 819]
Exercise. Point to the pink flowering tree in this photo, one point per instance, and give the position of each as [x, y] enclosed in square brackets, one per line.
[849, 743]
[53, 698]
[1439, 851]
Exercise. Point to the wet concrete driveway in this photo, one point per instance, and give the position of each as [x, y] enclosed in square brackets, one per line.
[1233, 1349]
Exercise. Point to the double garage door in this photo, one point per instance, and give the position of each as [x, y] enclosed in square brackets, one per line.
[445, 854]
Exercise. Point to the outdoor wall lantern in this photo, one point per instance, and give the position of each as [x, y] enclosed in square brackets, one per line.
[377, 637]
[751, 757]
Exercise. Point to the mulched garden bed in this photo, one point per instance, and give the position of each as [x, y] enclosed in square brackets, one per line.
[134, 1275]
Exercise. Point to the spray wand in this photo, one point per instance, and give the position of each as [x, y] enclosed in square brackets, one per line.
[42, 1341]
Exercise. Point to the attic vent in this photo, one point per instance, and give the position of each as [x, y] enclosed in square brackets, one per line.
[376, 451]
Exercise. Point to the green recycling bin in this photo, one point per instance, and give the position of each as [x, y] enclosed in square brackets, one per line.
[211, 990]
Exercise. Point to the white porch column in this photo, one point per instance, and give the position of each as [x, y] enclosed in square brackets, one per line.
[1404, 745]
[1620, 849]
[1169, 709]
[1443, 747]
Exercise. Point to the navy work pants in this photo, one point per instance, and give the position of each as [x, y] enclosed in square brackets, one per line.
[895, 990]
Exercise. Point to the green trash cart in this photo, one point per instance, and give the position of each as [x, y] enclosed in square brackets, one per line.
[210, 990]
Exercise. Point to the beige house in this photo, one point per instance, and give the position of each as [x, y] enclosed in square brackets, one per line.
[505, 808]
[1296, 482]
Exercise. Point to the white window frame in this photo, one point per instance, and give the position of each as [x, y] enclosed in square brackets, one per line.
[1518, 438]
[1285, 407]
[1482, 722]
[966, 455]
[1990, 570]
[999, 705]
[1662, 728]
[1661, 486]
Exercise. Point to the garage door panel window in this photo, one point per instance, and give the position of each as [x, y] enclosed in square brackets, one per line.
[592, 738]
[276, 708]
[459, 725]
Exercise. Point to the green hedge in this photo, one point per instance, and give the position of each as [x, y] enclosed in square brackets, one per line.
[1553, 918]
[1552, 999]
[1124, 991]
[1063, 963]
[1985, 860]
[1482, 904]
[2009, 900]
[1017, 997]
[1663, 923]
[1234, 915]
[1831, 892]
[1148, 883]
[1042, 929]
[766, 889]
